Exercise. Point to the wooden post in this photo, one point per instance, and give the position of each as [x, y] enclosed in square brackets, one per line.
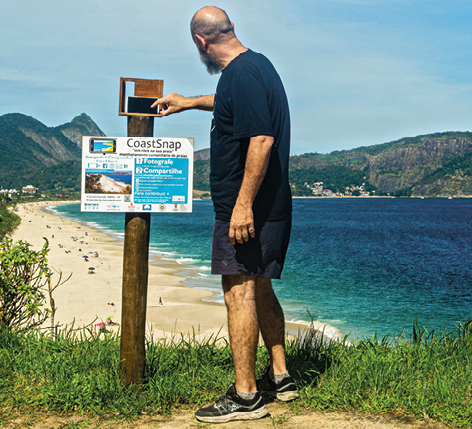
[135, 277]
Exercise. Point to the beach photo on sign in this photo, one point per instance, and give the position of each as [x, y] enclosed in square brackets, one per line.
[115, 182]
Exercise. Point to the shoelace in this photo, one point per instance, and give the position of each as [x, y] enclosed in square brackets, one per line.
[222, 399]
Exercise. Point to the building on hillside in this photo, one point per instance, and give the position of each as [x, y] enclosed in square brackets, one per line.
[29, 189]
[317, 188]
[8, 192]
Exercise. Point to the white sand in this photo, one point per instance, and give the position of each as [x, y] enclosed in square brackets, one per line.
[112, 186]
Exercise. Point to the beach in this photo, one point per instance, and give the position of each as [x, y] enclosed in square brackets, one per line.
[94, 291]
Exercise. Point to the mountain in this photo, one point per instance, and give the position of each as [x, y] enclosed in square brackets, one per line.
[202, 154]
[432, 165]
[80, 126]
[32, 152]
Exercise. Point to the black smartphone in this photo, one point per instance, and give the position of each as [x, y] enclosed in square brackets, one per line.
[141, 105]
[102, 145]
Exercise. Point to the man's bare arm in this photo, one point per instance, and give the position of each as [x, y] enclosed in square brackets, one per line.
[176, 103]
[257, 161]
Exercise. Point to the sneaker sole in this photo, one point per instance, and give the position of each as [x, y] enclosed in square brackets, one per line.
[249, 415]
[283, 396]
[287, 396]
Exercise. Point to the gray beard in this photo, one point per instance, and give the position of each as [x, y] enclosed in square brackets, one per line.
[211, 66]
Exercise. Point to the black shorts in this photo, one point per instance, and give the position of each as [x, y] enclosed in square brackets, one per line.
[261, 256]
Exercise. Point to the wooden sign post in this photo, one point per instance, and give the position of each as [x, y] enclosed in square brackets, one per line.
[136, 249]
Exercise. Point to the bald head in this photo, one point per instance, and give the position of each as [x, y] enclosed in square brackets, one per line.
[213, 24]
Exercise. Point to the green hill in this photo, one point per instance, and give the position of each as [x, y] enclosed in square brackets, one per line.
[48, 157]
[431, 165]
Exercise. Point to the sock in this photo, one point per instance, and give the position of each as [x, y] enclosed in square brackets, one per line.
[247, 396]
[277, 378]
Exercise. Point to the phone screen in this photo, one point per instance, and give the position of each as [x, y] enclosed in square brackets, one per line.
[102, 145]
[141, 105]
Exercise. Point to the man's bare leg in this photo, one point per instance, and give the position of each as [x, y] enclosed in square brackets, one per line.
[240, 299]
[272, 324]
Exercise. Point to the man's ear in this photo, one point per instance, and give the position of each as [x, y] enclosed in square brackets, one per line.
[201, 40]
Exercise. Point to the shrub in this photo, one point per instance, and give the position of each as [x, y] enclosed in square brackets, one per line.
[8, 220]
[24, 273]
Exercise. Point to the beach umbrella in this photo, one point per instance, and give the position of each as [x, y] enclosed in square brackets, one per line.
[91, 268]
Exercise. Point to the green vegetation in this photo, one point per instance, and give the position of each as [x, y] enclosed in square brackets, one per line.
[433, 165]
[24, 275]
[8, 219]
[17, 152]
[413, 141]
[458, 166]
[33, 154]
[429, 374]
[403, 192]
[334, 177]
[426, 374]
[201, 175]
[65, 175]
[92, 184]
[403, 167]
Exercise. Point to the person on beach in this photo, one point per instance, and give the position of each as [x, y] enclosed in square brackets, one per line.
[250, 144]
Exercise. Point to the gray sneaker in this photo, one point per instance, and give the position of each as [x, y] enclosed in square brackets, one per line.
[231, 406]
[285, 390]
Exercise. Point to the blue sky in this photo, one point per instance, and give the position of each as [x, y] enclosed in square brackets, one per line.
[357, 72]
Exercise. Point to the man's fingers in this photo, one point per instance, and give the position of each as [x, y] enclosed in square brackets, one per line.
[245, 234]
[240, 234]
[231, 236]
[235, 235]
[158, 102]
[235, 238]
[163, 106]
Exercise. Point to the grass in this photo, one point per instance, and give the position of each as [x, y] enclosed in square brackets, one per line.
[423, 374]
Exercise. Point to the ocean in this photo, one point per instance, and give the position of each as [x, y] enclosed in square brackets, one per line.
[363, 265]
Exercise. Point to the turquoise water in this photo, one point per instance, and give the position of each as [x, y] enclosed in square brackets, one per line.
[361, 265]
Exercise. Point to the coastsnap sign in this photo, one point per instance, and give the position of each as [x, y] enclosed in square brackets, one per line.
[137, 174]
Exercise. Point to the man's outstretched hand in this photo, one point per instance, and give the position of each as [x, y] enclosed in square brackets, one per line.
[176, 103]
[171, 103]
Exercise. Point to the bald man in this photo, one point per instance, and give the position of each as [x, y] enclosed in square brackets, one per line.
[250, 145]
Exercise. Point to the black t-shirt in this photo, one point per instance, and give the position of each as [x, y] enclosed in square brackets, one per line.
[250, 100]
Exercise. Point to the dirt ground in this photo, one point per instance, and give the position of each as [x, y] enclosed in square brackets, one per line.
[280, 417]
